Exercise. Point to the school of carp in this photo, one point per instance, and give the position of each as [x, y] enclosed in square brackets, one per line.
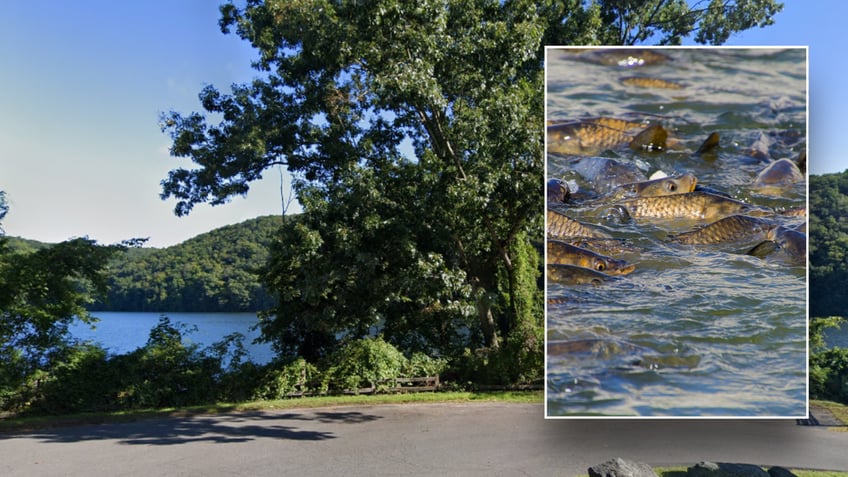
[615, 190]
[676, 244]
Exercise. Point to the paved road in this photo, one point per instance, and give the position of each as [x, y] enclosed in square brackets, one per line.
[421, 439]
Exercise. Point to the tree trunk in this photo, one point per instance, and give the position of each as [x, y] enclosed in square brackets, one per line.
[487, 321]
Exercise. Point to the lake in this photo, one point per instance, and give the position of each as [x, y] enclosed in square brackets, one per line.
[123, 332]
[694, 330]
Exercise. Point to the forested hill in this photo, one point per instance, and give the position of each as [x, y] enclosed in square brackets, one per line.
[828, 245]
[214, 271]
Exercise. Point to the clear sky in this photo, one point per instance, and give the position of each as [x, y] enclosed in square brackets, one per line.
[82, 85]
[81, 88]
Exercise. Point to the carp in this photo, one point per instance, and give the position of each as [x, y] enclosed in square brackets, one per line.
[681, 184]
[710, 144]
[693, 205]
[795, 212]
[732, 229]
[802, 161]
[564, 253]
[603, 246]
[562, 226]
[778, 174]
[591, 136]
[648, 82]
[574, 275]
[783, 245]
[557, 191]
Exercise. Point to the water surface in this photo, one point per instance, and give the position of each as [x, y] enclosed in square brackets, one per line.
[695, 330]
[124, 332]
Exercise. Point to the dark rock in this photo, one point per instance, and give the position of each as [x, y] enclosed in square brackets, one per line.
[722, 469]
[780, 472]
[622, 468]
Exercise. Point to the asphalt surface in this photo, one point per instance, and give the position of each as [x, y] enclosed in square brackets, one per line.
[466, 439]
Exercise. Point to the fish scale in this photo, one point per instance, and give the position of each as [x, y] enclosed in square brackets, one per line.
[693, 205]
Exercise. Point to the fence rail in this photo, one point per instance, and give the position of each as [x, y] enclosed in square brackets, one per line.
[401, 385]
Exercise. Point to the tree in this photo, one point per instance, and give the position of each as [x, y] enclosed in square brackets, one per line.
[41, 293]
[414, 129]
[664, 22]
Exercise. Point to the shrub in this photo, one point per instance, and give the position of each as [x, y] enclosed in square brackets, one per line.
[367, 361]
[829, 375]
[421, 365]
[296, 377]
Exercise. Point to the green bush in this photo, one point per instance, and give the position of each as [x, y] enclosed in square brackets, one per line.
[420, 365]
[364, 362]
[829, 375]
[167, 372]
[296, 377]
[83, 380]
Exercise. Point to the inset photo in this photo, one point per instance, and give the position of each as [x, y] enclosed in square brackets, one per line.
[676, 222]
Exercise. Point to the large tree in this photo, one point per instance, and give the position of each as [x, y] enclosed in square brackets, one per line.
[415, 132]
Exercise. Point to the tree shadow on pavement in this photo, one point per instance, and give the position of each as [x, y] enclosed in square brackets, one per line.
[222, 428]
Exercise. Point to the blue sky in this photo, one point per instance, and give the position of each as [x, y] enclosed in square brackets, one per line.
[82, 85]
[81, 89]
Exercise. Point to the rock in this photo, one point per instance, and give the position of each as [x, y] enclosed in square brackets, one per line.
[622, 468]
[780, 472]
[722, 469]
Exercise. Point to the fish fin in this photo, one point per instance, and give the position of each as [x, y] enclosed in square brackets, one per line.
[652, 138]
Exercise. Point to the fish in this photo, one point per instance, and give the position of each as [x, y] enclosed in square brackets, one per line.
[562, 226]
[731, 229]
[603, 246]
[681, 184]
[557, 191]
[560, 252]
[648, 82]
[574, 275]
[778, 174]
[795, 212]
[802, 161]
[710, 144]
[784, 245]
[692, 205]
[591, 136]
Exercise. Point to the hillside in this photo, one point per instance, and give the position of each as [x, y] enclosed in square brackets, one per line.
[214, 271]
[828, 244]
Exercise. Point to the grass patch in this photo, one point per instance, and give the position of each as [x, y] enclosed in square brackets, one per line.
[33, 423]
[839, 411]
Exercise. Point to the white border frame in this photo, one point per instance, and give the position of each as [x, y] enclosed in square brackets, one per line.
[806, 48]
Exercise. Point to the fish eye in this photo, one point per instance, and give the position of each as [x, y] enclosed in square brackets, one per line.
[671, 186]
[600, 266]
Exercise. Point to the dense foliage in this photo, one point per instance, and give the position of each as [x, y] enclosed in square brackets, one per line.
[828, 280]
[215, 271]
[171, 371]
[828, 244]
[414, 129]
[41, 293]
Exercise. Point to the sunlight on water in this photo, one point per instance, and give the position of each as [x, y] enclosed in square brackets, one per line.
[695, 330]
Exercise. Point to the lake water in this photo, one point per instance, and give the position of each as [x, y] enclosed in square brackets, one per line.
[123, 332]
[694, 330]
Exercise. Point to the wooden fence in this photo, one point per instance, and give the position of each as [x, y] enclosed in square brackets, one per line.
[401, 385]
